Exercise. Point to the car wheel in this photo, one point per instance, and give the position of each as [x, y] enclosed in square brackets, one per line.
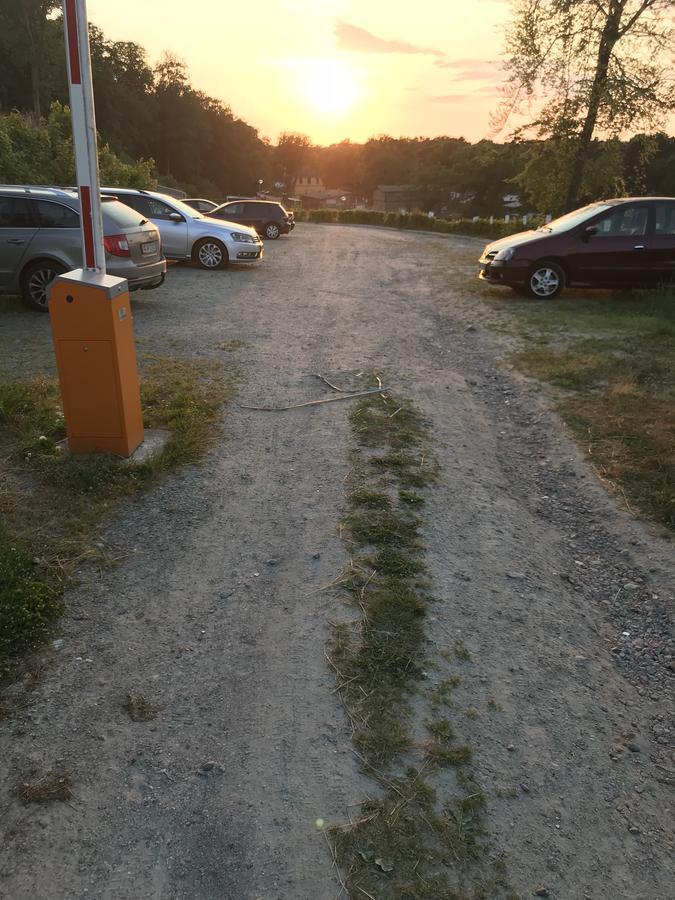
[210, 254]
[35, 282]
[546, 280]
[272, 231]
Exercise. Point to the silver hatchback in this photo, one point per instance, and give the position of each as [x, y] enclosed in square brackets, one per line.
[40, 239]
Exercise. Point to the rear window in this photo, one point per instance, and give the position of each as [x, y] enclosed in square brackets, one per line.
[56, 215]
[665, 218]
[121, 216]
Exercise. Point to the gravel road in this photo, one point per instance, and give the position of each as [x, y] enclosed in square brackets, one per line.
[214, 609]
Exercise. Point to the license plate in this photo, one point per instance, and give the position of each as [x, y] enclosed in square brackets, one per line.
[150, 247]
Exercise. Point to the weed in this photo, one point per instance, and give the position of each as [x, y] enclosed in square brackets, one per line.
[410, 471]
[411, 498]
[611, 362]
[231, 346]
[369, 500]
[54, 787]
[391, 561]
[461, 651]
[440, 696]
[30, 602]
[380, 527]
[471, 712]
[52, 502]
[387, 423]
[139, 709]
[408, 845]
[405, 844]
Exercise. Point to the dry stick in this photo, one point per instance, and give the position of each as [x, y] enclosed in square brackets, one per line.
[310, 402]
[329, 383]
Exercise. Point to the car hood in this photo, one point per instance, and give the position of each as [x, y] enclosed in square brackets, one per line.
[223, 223]
[514, 240]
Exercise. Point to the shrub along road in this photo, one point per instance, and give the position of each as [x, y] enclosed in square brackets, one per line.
[185, 734]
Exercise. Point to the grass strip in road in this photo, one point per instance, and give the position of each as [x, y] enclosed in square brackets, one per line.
[51, 503]
[611, 362]
[409, 843]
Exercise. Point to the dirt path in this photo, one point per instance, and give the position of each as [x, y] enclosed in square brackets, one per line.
[215, 611]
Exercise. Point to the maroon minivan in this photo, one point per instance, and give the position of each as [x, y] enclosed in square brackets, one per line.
[628, 242]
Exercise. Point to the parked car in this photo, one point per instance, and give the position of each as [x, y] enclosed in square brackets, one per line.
[629, 242]
[267, 217]
[187, 234]
[40, 239]
[201, 205]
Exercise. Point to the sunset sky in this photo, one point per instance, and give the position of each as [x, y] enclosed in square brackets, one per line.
[331, 69]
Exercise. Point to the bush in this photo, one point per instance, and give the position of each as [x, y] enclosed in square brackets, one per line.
[416, 220]
[43, 154]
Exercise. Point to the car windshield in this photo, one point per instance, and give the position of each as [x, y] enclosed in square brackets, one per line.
[572, 219]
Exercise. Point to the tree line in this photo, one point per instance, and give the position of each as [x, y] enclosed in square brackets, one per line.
[577, 56]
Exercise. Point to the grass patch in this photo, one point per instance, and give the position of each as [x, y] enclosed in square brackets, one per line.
[408, 844]
[52, 503]
[139, 709]
[411, 846]
[369, 500]
[53, 788]
[611, 363]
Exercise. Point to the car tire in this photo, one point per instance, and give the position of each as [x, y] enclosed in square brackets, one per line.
[35, 281]
[211, 254]
[272, 231]
[545, 281]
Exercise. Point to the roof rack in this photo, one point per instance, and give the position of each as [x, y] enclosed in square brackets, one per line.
[34, 188]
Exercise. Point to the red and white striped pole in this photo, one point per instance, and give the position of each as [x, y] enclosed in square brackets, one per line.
[81, 90]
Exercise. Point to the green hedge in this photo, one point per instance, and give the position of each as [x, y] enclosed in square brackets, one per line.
[416, 221]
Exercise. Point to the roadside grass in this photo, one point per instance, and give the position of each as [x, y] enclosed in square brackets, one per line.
[610, 360]
[410, 842]
[51, 503]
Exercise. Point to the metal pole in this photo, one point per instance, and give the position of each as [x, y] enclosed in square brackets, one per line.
[81, 90]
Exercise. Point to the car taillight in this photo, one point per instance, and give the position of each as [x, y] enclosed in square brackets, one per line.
[117, 245]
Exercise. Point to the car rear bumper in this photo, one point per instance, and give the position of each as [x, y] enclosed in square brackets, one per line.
[510, 273]
[141, 277]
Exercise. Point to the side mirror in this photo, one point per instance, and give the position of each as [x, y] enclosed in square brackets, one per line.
[589, 232]
[175, 217]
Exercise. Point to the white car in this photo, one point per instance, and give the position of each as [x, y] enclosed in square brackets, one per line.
[187, 234]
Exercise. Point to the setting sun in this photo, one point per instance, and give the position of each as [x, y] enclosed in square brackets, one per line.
[328, 86]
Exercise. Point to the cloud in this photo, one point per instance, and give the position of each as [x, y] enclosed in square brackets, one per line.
[473, 69]
[351, 37]
[484, 93]
[451, 98]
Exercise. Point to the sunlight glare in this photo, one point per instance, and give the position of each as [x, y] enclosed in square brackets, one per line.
[329, 86]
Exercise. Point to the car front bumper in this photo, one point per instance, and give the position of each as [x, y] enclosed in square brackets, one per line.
[241, 251]
[511, 273]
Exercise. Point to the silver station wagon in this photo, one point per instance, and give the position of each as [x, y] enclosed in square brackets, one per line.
[40, 239]
[189, 235]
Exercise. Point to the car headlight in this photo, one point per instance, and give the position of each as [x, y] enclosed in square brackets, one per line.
[242, 238]
[506, 254]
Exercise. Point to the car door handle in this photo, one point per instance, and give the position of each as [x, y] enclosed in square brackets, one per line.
[639, 247]
[16, 241]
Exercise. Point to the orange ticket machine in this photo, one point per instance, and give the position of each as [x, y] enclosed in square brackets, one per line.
[96, 359]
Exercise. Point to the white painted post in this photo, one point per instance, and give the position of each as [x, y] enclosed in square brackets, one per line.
[81, 91]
